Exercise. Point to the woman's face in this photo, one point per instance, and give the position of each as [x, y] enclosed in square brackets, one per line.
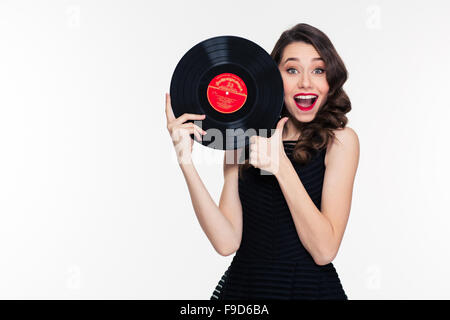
[304, 79]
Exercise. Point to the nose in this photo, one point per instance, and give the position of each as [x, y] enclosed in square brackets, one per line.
[304, 81]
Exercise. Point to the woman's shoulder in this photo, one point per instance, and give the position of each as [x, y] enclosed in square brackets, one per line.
[345, 133]
[345, 139]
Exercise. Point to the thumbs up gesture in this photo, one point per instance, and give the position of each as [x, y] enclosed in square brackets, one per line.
[267, 153]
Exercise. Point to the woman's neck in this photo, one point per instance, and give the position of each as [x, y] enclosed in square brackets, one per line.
[291, 130]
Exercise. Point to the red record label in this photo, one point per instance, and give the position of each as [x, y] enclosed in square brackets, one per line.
[227, 93]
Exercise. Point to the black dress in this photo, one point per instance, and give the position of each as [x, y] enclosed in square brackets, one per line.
[271, 262]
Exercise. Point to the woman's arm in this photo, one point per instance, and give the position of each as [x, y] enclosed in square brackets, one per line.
[321, 232]
[222, 225]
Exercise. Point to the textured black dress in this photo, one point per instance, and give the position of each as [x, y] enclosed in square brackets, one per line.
[271, 262]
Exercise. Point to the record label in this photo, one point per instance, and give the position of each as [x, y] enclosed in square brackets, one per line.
[227, 93]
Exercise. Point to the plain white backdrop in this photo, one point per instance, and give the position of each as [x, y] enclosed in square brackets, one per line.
[92, 202]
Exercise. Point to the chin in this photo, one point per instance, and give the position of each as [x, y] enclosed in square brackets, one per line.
[301, 116]
[305, 119]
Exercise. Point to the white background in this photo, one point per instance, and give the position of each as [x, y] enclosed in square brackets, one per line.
[92, 202]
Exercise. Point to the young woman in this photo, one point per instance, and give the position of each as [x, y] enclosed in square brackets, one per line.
[285, 228]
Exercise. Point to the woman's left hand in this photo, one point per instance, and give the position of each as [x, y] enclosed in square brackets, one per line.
[268, 153]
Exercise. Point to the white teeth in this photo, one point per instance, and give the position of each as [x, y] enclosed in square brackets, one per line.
[305, 97]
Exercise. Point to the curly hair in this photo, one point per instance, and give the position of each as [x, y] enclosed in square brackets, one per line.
[316, 134]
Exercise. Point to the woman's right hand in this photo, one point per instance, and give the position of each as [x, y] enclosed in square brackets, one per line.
[180, 131]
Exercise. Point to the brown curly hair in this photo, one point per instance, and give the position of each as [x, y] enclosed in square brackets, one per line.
[316, 134]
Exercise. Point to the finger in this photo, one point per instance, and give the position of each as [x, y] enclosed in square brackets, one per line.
[253, 139]
[187, 129]
[190, 125]
[197, 135]
[203, 132]
[280, 124]
[192, 129]
[189, 116]
[169, 112]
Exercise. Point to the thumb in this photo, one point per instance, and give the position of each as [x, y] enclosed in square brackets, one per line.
[280, 125]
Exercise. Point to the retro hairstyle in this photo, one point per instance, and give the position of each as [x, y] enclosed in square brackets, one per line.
[316, 134]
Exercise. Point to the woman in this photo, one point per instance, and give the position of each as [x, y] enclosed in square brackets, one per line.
[286, 228]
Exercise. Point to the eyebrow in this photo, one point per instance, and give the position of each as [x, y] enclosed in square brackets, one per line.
[297, 59]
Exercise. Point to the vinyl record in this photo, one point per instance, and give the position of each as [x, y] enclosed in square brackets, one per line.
[235, 83]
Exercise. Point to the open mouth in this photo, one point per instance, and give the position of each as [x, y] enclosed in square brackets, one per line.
[305, 101]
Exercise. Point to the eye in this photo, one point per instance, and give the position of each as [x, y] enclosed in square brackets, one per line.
[291, 69]
[320, 71]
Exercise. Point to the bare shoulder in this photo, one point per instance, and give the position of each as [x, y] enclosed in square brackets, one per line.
[345, 146]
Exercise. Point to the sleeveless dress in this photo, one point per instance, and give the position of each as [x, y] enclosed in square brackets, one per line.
[271, 262]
